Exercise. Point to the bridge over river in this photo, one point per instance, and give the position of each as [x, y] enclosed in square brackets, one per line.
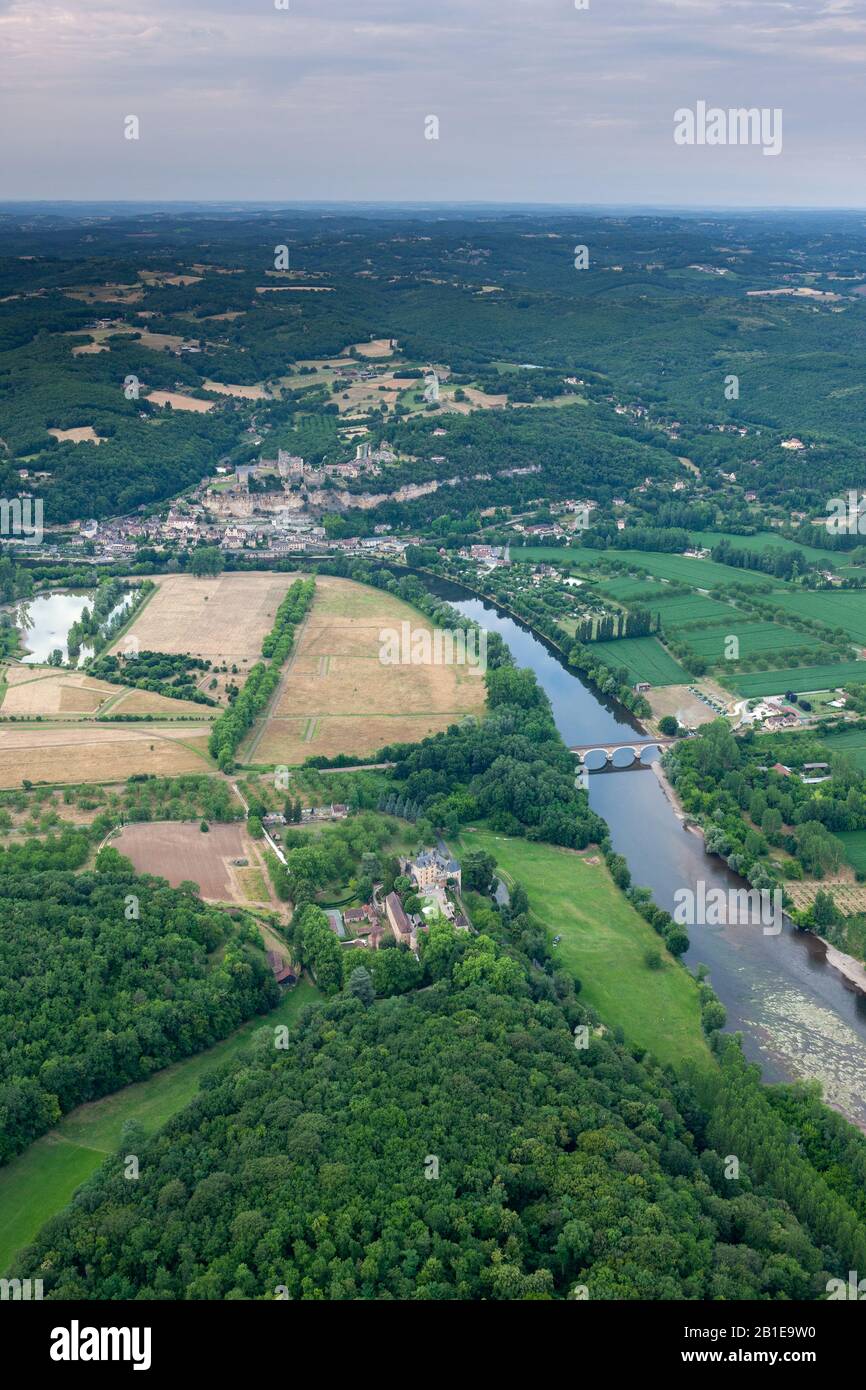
[582, 751]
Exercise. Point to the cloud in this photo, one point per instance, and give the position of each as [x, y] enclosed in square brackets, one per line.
[239, 99]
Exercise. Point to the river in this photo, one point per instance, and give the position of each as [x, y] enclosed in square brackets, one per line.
[799, 1016]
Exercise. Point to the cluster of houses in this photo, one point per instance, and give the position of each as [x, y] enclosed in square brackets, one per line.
[334, 811]
[490, 556]
[771, 713]
[435, 879]
[280, 518]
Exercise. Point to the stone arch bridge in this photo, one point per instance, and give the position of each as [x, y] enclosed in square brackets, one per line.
[635, 747]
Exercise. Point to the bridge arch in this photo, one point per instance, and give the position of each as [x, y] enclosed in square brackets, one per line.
[594, 757]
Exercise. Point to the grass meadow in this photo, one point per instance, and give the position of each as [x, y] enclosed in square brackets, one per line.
[604, 942]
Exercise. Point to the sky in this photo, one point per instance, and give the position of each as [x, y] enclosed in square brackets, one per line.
[536, 101]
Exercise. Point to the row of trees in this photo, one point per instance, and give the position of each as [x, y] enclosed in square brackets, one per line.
[231, 727]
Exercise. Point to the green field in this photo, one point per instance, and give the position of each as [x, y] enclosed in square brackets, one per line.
[851, 743]
[756, 639]
[845, 608]
[603, 944]
[854, 844]
[630, 589]
[41, 1181]
[692, 608]
[644, 658]
[798, 678]
[544, 554]
[764, 540]
[701, 574]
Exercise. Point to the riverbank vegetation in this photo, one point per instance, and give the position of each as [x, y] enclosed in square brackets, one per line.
[769, 822]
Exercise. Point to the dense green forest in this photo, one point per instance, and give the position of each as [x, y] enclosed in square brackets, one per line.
[106, 977]
[455, 1144]
[644, 325]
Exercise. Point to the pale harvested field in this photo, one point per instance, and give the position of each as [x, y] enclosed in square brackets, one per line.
[42, 691]
[179, 402]
[248, 393]
[216, 269]
[97, 337]
[357, 395]
[53, 692]
[148, 702]
[337, 697]
[167, 277]
[161, 342]
[82, 434]
[222, 619]
[106, 294]
[477, 400]
[179, 850]
[99, 753]
[377, 347]
[292, 741]
[295, 289]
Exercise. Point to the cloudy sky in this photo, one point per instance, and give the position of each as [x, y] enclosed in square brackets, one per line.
[536, 100]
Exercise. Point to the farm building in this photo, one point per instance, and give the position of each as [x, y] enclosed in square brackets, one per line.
[284, 974]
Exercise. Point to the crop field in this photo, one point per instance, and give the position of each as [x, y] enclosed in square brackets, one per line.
[799, 678]
[701, 574]
[854, 842]
[845, 608]
[223, 619]
[851, 743]
[848, 895]
[338, 697]
[692, 608]
[755, 639]
[134, 701]
[34, 692]
[47, 691]
[764, 540]
[182, 851]
[546, 554]
[630, 589]
[99, 753]
[644, 658]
